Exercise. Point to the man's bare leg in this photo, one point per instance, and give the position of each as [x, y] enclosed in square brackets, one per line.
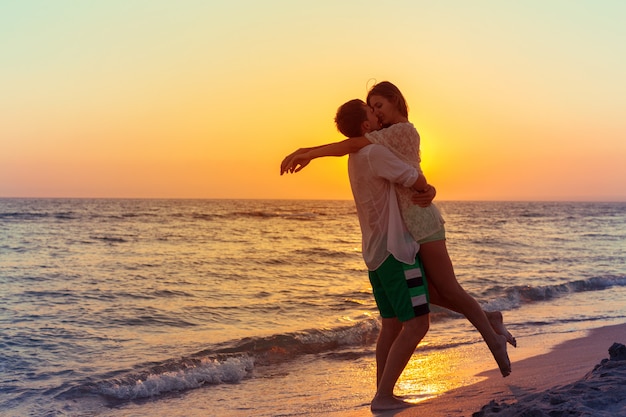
[391, 327]
[399, 354]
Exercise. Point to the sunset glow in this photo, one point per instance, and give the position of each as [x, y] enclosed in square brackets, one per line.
[195, 99]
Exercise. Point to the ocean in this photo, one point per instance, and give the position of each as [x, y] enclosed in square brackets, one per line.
[120, 307]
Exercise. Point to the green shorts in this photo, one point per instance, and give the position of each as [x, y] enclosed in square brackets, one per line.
[400, 290]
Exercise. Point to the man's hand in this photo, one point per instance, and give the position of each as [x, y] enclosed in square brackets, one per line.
[295, 161]
[424, 198]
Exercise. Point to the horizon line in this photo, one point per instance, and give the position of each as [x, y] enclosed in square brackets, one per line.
[310, 199]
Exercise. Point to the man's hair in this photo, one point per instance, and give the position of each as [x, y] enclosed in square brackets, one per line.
[350, 116]
[391, 93]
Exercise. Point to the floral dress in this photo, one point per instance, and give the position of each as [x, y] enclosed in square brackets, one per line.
[404, 141]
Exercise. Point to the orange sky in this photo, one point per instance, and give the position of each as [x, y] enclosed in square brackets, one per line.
[194, 99]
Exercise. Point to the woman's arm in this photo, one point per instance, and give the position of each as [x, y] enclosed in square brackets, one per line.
[424, 194]
[420, 184]
[284, 166]
[301, 158]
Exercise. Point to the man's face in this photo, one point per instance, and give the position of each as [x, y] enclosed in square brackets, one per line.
[372, 120]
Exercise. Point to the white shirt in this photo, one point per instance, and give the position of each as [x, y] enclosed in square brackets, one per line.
[373, 171]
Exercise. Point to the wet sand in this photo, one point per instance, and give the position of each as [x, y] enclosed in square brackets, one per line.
[560, 382]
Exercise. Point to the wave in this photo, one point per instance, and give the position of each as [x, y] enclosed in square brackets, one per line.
[87, 215]
[109, 239]
[176, 376]
[510, 298]
[23, 215]
[301, 215]
[256, 214]
[31, 215]
[277, 348]
[227, 363]
[321, 253]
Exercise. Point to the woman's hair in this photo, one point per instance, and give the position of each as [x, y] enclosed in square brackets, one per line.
[391, 93]
[349, 118]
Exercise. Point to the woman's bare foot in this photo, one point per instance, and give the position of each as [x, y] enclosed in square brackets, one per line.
[497, 323]
[501, 356]
[388, 403]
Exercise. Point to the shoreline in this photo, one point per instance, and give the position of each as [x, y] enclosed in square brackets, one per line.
[564, 363]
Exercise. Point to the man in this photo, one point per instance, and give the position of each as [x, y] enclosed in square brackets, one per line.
[390, 253]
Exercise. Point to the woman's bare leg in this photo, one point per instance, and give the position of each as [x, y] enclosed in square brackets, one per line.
[439, 270]
[495, 317]
[497, 324]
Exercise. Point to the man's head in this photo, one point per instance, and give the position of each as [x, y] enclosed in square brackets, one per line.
[355, 118]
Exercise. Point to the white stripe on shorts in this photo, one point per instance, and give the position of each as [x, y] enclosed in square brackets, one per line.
[418, 300]
[413, 273]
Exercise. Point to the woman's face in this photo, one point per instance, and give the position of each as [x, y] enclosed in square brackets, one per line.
[384, 109]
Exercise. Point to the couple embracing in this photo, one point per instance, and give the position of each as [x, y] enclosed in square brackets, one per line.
[403, 234]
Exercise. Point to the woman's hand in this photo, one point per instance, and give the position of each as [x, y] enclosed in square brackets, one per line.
[295, 161]
[424, 197]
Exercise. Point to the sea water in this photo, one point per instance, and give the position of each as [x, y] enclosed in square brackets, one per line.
[262, 308]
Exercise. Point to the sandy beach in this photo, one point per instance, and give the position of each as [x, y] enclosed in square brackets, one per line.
[562, 382]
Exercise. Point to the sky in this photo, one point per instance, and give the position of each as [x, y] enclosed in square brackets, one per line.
[203, 99]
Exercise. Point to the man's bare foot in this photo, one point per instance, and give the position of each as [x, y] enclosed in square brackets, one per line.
[388, 403]
[497, 323]
[502, 358]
